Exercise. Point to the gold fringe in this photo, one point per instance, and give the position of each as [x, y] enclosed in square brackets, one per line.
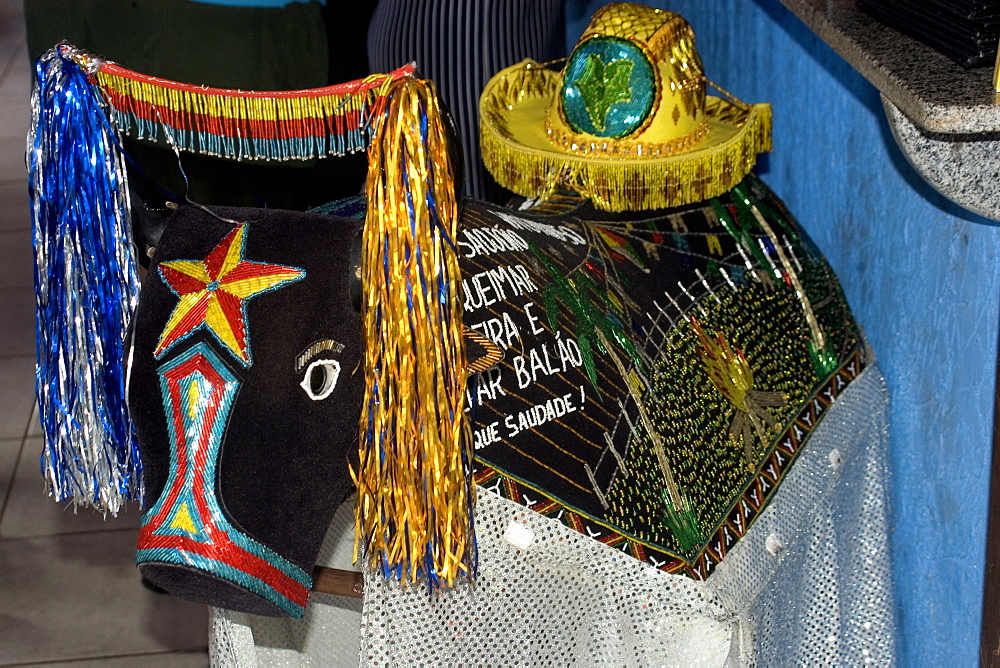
[619, 149]
[614, 185]
[415, 495]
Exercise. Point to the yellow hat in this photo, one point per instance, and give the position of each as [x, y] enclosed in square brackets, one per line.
[626, 123]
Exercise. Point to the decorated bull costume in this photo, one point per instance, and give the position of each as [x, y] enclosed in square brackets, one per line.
[628, 420]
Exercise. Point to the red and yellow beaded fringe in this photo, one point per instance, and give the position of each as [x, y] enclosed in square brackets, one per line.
[239, 124]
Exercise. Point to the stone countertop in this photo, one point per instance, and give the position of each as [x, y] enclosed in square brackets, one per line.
[933, 92]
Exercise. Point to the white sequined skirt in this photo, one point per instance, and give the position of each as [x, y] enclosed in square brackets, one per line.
[809, 584]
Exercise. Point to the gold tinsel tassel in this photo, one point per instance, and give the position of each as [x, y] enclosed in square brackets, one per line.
[415, 495]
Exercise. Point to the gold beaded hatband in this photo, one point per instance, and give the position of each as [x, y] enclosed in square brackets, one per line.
[622, 149]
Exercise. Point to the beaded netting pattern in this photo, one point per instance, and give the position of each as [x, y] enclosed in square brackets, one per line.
[813, 580]
[809, 584]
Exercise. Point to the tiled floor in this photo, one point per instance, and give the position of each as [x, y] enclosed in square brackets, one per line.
[69, 592]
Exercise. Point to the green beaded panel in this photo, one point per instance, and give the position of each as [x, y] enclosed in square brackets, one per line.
[694, 418]
[732, 265]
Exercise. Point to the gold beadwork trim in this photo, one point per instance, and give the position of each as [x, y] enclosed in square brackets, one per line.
[616, 148]
[493, 356]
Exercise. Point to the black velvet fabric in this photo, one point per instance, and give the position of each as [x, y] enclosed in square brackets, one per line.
[284, 457]
[198, 586]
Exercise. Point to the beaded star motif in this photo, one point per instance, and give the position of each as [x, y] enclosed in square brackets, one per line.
[213, 294]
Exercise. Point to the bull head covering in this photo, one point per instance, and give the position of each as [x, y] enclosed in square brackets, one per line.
[230, 315]
[626, 123]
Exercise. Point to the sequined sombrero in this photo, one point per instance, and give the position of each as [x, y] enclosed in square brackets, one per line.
[626, 123]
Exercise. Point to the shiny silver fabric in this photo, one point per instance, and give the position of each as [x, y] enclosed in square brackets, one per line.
[809, 584]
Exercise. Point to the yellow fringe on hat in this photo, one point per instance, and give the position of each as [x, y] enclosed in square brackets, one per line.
[615, 184]
[415, 492]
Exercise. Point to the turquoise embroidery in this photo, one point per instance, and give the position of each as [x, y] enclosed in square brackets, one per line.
[609, 88]
[186, 526]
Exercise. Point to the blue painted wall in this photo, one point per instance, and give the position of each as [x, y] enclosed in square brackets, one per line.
[921, 276]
